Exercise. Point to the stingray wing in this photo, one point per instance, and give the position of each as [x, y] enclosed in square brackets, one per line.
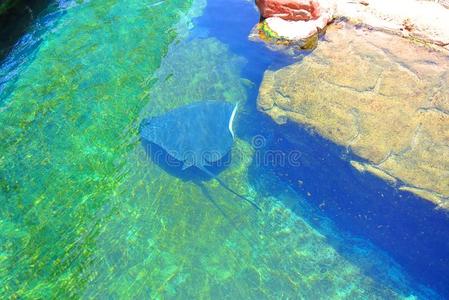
[196, 133]
[212, 137]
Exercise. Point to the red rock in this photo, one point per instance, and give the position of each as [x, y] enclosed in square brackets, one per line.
[291, 10]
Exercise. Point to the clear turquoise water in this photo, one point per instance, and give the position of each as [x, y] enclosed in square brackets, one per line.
[86, 214]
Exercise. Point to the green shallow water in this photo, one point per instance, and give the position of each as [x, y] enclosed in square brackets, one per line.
[86, 214]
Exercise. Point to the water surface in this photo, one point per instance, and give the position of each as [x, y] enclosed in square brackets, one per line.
[86, 213]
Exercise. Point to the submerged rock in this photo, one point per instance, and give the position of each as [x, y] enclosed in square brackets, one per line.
[382, 97]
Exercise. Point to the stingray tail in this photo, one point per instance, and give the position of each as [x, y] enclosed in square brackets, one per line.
[225, 215]
[229, 189]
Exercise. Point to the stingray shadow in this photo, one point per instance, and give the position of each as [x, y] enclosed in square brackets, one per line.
[173, 166]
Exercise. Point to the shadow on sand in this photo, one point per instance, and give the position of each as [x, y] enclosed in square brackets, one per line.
[174, 167]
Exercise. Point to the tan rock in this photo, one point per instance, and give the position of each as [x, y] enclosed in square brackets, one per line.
[378, 94]
[361, 167]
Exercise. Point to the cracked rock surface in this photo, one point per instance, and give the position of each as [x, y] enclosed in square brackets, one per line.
[379, 95]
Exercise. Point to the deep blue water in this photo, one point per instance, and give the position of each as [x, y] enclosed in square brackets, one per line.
[410, 229]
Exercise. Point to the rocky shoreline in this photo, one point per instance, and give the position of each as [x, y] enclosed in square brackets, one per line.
[383, 97]
[300, 22]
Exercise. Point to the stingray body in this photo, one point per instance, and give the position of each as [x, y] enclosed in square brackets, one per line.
[197, 134]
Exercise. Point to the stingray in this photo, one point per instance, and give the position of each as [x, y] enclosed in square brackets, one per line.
[197, 135]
